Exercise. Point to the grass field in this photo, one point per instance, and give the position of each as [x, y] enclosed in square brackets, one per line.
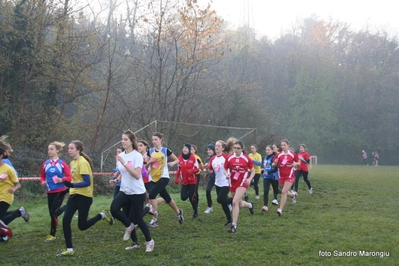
[353, 209]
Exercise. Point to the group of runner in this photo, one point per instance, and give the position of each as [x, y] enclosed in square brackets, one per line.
[142, 173]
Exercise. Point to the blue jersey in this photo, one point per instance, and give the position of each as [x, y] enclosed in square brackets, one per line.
[52, 171]
[268, 168]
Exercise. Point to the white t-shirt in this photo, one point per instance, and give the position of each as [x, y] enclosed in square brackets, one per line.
[129, 184]
[217, 165]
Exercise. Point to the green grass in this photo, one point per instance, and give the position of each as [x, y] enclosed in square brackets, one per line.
[353, 208]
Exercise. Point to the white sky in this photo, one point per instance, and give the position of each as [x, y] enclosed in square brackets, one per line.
[272, 17]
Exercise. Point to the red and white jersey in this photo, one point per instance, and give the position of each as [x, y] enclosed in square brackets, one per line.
[238, 167]
[216, 164]
[285, 163]
[303, 159]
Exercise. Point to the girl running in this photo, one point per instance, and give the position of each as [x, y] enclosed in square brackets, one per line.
[270, 177]
[216, 165]
[53, 173]
[9, 184]
[238, 165]
[116, 175]
[285, 161]
[194, 151]
[159, 174]
[187, 173]
[303, 169]
[81, 196]
[210, 176]
[257, 160]
[143, 149]
[132, 192]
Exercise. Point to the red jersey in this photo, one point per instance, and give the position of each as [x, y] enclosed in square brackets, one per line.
[187, 170]
[238, 167]
[303, 160]
[285, 162]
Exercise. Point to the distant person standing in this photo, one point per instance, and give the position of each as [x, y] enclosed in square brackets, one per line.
[364, 153]
[376, 157]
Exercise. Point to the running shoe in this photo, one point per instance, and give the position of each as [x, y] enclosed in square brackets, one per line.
[311, 191]
[133, 246]
[251, 210]
[279, 212]
[195, 216]
[4, 239]
[5, 230]
[208, 210]
[232, 229]
[228, 223]
[265, 209]
[153, 223]
[108, 217]
[128, 232]
[150, 210]
[146, 210]
[180, 216]
[65, 253]
[49, 239]
[275, 202]
[293, 198]
[149, 246]
[24, 214]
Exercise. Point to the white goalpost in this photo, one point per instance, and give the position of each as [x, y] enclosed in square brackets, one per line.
[177, 133]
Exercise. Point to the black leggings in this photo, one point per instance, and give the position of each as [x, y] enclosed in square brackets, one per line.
[196, 189]
[81, 204]
[211, 183]
[190, 192]
[224, 200]
[8, 216]
[136, 202]
[54, 202]
[266, 187]
[298, 175]
[256, 181]
[5, 216]
[160, 188]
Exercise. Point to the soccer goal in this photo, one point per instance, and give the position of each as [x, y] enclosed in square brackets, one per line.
[178, 133]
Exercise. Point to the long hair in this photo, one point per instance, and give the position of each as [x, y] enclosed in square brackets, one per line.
[229, 145]
[132, 138]
[5, 147]
[79, 146]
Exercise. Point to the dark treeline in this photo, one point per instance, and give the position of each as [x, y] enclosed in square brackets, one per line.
[66, 74]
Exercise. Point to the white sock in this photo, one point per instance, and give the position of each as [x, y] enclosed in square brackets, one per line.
[102, 215]
[70, 249]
